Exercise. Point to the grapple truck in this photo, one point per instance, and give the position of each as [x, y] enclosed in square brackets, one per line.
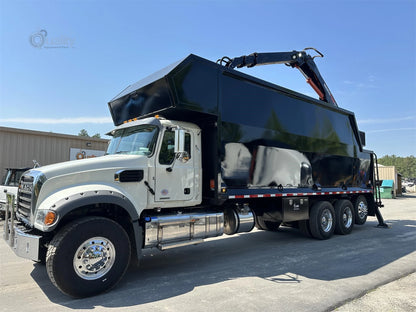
[199, 150]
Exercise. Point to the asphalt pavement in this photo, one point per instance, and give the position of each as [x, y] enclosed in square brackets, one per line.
[372, 269]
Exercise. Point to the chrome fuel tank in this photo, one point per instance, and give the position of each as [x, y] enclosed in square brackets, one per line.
[174, 230]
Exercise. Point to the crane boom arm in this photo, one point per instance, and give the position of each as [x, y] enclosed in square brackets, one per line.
[297, 59]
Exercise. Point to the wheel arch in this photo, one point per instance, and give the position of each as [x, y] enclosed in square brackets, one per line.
[104, 203]
[98, 198]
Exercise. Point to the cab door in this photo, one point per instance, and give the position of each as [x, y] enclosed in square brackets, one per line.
[175, 178]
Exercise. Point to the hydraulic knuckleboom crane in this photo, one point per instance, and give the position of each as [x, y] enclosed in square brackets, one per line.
[297, 59]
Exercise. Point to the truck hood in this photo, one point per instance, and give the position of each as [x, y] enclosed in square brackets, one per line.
[108, 162]
[54, 182]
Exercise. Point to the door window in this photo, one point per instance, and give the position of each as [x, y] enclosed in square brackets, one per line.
[167, 151]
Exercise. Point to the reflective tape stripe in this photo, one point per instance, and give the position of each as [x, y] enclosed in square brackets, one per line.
[297, 194]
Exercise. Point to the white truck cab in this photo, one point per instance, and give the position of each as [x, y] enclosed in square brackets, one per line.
[143, 169]
[173, 172]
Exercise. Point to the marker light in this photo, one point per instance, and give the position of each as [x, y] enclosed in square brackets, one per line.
[130, 120]
[212, 184]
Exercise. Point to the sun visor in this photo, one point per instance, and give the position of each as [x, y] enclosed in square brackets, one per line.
[146, 96]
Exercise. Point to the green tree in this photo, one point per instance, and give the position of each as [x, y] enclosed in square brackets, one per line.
[406, 166]
[84, 133]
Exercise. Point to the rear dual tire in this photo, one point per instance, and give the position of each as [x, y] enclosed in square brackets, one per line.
[360, 210]
[267, 225]
[344, 217]
[322, 220]
[325, 219]
[305, 228]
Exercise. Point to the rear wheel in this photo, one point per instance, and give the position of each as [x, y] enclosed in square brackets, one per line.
[344, 217]
[305, 228]
[322, 220]
[267, 225]
[88, 256]
[360, 210]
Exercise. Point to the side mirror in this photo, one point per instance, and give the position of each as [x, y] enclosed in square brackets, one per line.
[182, 156]
[179, 141]
[179, 149]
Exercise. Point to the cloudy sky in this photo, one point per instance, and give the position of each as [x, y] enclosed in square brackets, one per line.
[61, 62]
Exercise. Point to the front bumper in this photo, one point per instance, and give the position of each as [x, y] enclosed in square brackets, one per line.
[24, 243]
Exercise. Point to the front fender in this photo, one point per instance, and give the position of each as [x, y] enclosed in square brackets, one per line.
[67, 204]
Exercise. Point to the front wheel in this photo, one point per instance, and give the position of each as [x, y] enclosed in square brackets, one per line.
[88, 256]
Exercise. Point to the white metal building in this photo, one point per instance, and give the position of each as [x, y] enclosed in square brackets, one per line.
[18, 147]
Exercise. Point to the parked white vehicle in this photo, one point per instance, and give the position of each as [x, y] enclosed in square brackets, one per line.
[9, 184]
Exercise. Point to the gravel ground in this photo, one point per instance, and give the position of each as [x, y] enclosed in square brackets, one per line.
[397, 296]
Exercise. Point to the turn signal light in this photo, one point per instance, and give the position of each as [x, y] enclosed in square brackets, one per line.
[50, 218]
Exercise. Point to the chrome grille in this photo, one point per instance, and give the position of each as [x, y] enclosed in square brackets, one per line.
[24, 196]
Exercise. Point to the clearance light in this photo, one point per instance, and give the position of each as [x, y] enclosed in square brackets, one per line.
[50, 218]
[130, 120]
[223, 190]
[212, 184]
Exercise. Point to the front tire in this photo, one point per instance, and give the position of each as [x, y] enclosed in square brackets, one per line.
[88, 256]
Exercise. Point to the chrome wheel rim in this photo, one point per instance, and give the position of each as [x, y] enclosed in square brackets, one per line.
[326, 220]
[362, 210]
[94, 258]
[347, 217]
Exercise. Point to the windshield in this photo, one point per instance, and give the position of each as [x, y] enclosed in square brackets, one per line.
[139, 140]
